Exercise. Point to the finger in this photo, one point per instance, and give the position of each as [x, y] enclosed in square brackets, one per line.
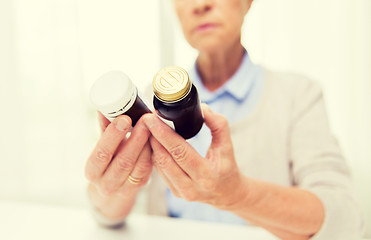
[106, 147]
[129, 187]
[175, 177]
[218, 126]
[103, 121]
[168, 183]
[163, 175]
[179, 149]
[125, 159]
[143, 167]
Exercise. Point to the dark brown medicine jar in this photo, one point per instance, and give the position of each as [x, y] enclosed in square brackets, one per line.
[176, 101]
[114, 94]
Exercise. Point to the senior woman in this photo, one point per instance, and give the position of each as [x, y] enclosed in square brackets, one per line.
[267, 156]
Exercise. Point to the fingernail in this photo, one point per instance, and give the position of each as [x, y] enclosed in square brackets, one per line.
[148, 121]
[206, 107]
[122, 124]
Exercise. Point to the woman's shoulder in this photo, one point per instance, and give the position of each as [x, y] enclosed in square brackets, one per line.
[290, 80]
[291, 84]
[295, 92]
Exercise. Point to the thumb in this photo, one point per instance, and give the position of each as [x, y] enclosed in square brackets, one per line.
[218, 126]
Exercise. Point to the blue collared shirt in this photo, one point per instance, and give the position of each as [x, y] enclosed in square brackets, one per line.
[235, 100]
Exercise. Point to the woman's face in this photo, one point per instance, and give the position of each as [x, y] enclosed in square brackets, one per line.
[211, 25]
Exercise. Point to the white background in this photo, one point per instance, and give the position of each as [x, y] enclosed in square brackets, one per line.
[52, 50]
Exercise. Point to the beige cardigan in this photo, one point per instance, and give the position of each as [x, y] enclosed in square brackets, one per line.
[287, 140]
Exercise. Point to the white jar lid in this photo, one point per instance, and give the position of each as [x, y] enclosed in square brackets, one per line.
[111, 92]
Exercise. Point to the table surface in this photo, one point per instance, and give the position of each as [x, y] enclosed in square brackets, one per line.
[35, 221]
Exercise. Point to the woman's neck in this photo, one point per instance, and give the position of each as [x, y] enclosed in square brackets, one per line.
[217, 68]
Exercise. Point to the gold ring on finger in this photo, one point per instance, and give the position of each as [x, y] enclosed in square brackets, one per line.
[134, 180]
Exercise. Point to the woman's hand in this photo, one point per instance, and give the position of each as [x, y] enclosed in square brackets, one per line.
[118, 166]
[215, 179]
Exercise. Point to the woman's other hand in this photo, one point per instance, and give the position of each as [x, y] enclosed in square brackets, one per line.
[118, 166]
[215, 180]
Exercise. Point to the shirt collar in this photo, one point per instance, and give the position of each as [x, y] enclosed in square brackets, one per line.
[238, 86]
